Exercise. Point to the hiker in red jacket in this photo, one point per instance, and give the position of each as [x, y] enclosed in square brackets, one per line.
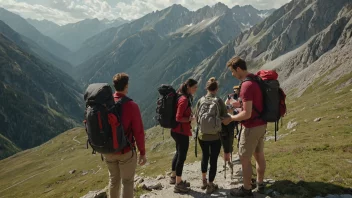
[182, 133]
[122, 166]
[252, 135]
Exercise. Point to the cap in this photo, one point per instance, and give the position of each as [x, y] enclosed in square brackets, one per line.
[236, 87]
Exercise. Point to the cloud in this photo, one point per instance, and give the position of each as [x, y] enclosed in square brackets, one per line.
[37, 11]
[68, 11]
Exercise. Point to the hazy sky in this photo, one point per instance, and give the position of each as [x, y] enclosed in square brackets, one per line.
[68, 11]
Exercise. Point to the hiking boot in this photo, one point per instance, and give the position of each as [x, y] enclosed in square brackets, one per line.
[241, 192]
[211, 188]
[253, 183]
[205, 184]
[181, 187]
[187, 183]
[172, 180]
[260, 188]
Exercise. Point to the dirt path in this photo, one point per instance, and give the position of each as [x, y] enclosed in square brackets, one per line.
[192, 173]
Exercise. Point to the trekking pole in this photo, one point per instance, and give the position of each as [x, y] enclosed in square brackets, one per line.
[196, 141]
[225, 169]
[231, 167]
[163, 133]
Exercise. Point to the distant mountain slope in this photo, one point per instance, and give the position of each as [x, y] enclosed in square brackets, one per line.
[21, 26]
[224, 22]
[72, 35]
[43, 46]
[37, 100]
[290, 40]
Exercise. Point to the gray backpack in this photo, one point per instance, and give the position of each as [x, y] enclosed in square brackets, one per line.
[208, 116]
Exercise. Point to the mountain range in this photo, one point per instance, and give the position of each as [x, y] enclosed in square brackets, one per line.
[72, 35]
[293, 40]
[38, 100]
[304, 40]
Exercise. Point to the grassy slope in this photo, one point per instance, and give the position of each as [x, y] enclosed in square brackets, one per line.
[317, 157]
[7, 148]
[310, 161]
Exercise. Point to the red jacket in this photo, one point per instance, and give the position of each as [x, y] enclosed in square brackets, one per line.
[132, 120]
[183, 111]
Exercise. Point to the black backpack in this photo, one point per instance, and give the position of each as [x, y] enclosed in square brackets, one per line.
[166, 107]
[271, 100]
[103, 120]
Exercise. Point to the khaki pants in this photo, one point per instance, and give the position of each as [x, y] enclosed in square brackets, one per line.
[252, 140]
[121, 168]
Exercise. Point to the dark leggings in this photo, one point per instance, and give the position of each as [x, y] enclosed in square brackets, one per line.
[182, 144]
[210, 149]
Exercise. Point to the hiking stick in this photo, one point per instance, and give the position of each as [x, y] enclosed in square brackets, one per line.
[231, 167]
[225, 169]
[196, 141]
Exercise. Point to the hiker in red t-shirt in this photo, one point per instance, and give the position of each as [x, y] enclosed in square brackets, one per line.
[122, 166]
[252, 136]
[182, 133]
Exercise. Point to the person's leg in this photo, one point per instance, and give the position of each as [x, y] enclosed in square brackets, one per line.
[128, 164]
[174, 160]
[260, 159]
[205, 157]
[114, 175]
[182, 155]
[246, 149]
[181, 186]
[248, 143]
[215, 148]
[204, 163]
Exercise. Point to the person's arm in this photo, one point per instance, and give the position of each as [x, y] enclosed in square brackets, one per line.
[182, 106]
[225, 117]
[245, 114]
[138, 129]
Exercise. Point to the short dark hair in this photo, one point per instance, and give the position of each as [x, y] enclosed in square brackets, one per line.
[120, 81]
[212, 84]
[236, 62]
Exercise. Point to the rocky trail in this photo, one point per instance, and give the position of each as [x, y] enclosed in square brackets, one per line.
[192, 173]
[159, 186]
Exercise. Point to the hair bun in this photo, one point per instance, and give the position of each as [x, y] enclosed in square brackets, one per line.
[212, 79]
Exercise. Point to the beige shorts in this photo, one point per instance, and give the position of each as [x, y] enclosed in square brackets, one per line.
[252, 140]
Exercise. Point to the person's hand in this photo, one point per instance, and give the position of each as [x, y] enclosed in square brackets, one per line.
[236, 104]
[192, 118]
[233, 118]
[227, 157]
[227, 121]
[142, 160]
[227, 101]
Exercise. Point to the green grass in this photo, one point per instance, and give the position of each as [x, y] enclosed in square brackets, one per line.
[311, 161]
[7, 148]
[47, 167]
[316, 158]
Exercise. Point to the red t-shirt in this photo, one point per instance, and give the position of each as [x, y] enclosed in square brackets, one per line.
[183, 111]
[250, 91]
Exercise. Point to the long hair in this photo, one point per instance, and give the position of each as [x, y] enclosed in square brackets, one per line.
[183, 88]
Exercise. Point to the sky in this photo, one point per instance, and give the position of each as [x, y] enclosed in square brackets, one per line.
[70, 11]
